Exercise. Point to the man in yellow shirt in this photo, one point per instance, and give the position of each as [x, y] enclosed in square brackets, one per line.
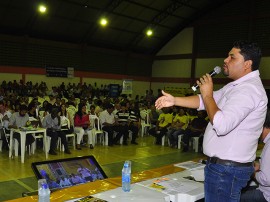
[164, 121]
[178, 127]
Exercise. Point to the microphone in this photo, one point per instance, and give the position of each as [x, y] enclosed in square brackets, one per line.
[216, 71]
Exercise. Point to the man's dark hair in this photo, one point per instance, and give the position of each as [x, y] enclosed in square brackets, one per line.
[109, 106]
[250, 51]
[55, 110]
[31, 105]
[267, 119]
[23, 107]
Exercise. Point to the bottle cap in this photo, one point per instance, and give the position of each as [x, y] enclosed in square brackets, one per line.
[127, 163]
[42, 184]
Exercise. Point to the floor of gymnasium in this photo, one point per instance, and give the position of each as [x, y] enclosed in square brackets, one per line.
[16, 178]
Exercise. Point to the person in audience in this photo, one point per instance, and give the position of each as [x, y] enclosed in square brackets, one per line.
[9, 106]
[143, 112]
[195, 129]
[109, 124]
[236, 113]
[93, 116]
[52, 123]
[134, 122]
[82, 125]
[18, 120]
[99, 107]
[4, 121]
[65, 116]
[122, 118]
[117, 107]
[153, 115]
[161, 128]
[33, 115]
[261, 176]
[178, 127]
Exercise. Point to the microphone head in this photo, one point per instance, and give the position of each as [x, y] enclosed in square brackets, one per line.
[217, 69]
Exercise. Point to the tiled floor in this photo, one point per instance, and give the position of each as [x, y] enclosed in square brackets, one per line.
[16, 177]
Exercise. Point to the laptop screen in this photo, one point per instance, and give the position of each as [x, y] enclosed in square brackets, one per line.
[69, 172]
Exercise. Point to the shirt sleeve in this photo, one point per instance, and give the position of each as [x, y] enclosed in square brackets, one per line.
[12, 120]
[263, 176]
[234, 111]
[44, 122]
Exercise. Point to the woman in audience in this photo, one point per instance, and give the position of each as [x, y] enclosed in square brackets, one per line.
[82, 126]
[64, 114]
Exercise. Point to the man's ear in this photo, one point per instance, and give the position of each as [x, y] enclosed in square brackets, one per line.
[248, 65]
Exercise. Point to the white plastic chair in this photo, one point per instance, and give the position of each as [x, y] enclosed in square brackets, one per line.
[65, 122]
[145, 124]
[96, 130]
[195, 143]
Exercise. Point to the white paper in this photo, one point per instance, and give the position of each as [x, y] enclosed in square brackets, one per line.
[189, 165]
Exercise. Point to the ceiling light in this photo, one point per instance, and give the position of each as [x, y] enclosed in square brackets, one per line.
[42, 8]
[149, 32]
[103, 22]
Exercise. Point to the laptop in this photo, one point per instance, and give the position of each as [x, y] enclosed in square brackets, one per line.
[68, 172]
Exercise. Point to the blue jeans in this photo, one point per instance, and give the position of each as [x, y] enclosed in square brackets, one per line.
[224, 183]
[252, 195]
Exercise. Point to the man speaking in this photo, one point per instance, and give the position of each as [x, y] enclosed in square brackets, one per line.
[236, 113]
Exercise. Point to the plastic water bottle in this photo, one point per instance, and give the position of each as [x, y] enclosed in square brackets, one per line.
[126, 176]
[43, 191]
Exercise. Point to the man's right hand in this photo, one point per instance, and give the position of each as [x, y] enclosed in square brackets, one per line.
[166, 100]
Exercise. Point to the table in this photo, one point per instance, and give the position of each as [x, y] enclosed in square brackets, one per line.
[137, 194]
[92, 188]
[187, 190]
[23, 134]
[111, 187]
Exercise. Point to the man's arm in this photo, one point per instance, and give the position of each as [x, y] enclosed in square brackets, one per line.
[12, 122]
[206, 88]
[168, 100]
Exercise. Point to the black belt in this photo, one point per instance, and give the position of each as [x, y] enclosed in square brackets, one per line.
[216, 160]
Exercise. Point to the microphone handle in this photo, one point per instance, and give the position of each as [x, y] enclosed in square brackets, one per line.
[196, 86]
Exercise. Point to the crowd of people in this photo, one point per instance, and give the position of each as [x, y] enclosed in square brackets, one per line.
[120, 117]
[231, 119]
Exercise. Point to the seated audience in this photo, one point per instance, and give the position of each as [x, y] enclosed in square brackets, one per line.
[109, 124]
[261, 176]
[4, 121]
[134, 121]
[161, 128]
[195, 129]
[153, 115]
[82, 126]
[178, 127]
[18, 120]
[52, 123]
[122, 118]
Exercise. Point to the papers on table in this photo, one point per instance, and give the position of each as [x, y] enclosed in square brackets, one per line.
[190, 165]
[28, 128]
[196, 169]
[198, 174]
